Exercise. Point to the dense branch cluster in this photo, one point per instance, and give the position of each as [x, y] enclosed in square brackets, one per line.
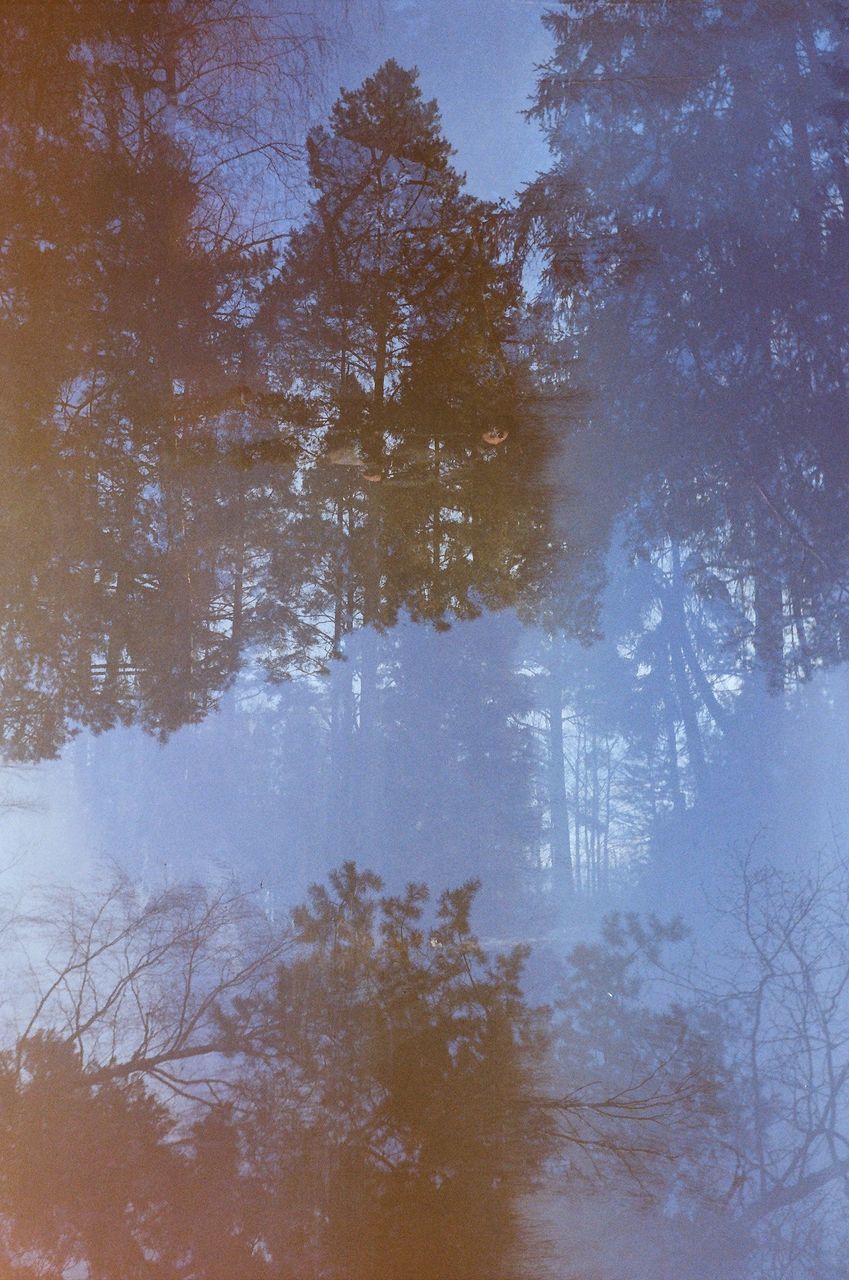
[536, 586]
[366, 1078]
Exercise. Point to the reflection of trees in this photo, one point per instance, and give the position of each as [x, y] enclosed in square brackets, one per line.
[125, 994]
[368, 1087]
[118, 290]
[396, 309]
[752, 1040]
[693, 224]
[189, 459]
[165, 516]
[359, 1086]
[386, 1123]
[220, 459]
[231, 80]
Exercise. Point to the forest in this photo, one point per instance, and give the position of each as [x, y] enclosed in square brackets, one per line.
[469, 571]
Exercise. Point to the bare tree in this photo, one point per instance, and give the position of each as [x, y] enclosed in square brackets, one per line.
[137, 982]
[787, 994]
[227, 84]
[722, 1085]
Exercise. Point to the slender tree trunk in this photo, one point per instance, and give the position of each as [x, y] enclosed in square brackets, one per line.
[606, 846]
[670, 733]
[675, 627]
[561, 851]
[596, 817]
[238, 573]
[769, 629]
[369, 754]
[339, 834]
[576, 808]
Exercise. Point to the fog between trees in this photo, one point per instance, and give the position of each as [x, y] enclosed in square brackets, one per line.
[436, 541]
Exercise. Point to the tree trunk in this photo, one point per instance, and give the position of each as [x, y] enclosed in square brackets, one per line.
[561, 851]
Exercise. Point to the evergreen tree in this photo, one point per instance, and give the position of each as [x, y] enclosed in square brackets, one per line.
[391, 1125]
[693, 227]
